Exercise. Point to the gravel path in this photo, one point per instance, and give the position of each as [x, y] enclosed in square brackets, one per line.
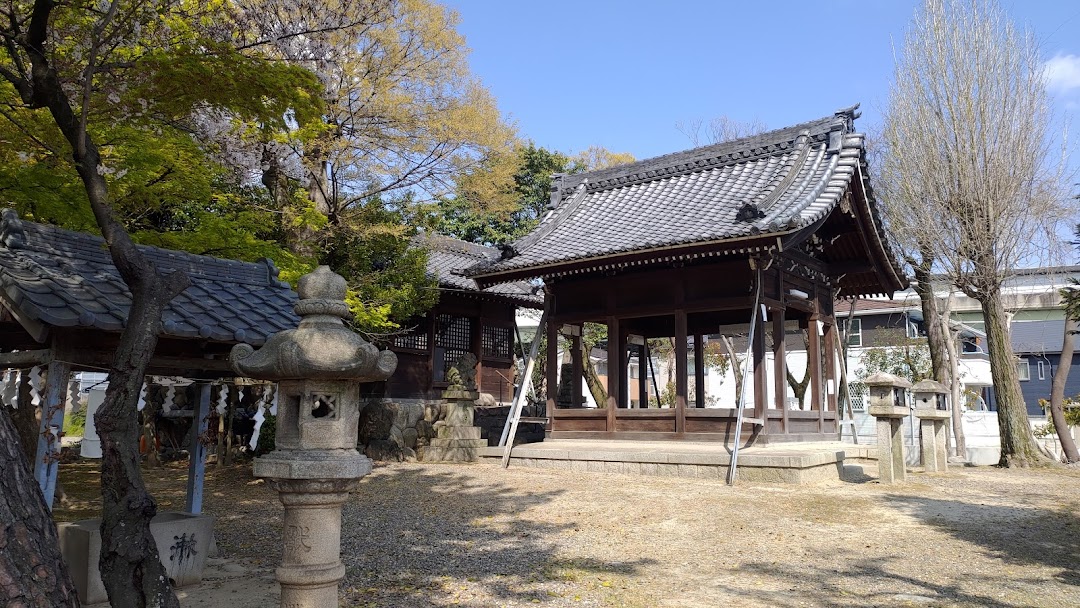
[476, 535]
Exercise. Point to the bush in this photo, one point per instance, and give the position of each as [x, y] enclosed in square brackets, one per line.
[75, 424]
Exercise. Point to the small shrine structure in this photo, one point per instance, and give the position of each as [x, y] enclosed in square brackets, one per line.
[684, 245]
[63, 305]
[466, 319]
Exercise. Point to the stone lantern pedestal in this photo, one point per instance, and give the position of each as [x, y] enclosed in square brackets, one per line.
[888, 405]
[319, 367]
[456, 439]
[931, 408]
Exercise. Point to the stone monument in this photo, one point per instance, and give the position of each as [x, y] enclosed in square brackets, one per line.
[456, 439]
[319, 367]
[888, 404]
[932, 410]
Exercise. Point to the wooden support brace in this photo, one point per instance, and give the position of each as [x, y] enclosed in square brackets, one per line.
[197, 450]
[47, 459]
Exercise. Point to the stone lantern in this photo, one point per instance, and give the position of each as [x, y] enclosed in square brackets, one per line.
[888, 404]
[932, 410]
[319, 367]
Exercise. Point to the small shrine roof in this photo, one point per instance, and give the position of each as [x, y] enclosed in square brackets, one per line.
[449, 258]
[62, 278]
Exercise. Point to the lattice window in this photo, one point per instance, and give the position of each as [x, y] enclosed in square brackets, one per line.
[496, 342]
[414, 341]
[453, 339]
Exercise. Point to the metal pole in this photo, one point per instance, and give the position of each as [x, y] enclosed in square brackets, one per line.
[510, 427]
[745, 380]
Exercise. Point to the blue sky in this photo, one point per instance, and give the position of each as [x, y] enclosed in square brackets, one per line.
[622, 74]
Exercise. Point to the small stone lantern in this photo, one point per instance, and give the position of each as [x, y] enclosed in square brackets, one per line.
[456, 439]
[319, 367]
[932, 410]
[888, 404]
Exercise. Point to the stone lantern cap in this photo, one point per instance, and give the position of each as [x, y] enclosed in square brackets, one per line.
[886, 379]
[929, 386]
[321, 347]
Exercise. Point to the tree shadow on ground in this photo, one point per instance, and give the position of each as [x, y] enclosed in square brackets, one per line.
[1013, 534]
[880, 583]
[424, 537]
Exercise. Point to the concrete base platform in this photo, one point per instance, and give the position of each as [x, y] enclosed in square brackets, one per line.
[799, 463]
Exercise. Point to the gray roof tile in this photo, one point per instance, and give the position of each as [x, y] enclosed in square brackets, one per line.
[793, 176]
[448, 258]
[67, 279]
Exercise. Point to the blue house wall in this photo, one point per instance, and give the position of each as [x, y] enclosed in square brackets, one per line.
[1036, 388]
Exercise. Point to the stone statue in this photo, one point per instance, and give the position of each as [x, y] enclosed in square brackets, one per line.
[462, 376]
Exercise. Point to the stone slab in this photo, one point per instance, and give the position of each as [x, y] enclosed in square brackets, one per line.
[458, 432]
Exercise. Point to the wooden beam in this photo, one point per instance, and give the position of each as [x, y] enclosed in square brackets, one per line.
[197, 450]
[643, 376]
[25, 358]
[551, 376]
[699, 370]
[47, 459]
[780, 365]
[477, 347]
[614, 348]
[761, 380]
[813, 359]
[680, 371]
[577, 361]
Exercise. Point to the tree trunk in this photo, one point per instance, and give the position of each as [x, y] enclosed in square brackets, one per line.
[1057, 393]
[1017, 442]
[799, 386]
[596, 388]
[130, 567]
[25, 416]
[32, 571]
[957, 419]
[736, 366]
[933, 320]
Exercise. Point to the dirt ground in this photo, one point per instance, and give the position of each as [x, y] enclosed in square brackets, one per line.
[475, 535]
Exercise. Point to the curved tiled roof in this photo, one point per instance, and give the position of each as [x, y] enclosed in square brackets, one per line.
[448, 258]
[774, 183]
[67, 279]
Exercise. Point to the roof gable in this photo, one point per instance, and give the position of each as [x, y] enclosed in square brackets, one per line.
[752, 188]
[448, 258]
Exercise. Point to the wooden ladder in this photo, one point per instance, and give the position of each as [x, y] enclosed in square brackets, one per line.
[506, 441]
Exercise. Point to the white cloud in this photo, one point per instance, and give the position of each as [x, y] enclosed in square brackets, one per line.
[1063, 72]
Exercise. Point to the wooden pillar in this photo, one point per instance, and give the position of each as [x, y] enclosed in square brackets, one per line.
[624, 370]
[551, 381]
[642, 377]
[578, 374]
[761, 380]
[699, 370]
[830, 371]
[429, 388]
[614, 382]
[780, 365]
[680, 371]
[813, 359]
[47, 460]
[476, 345]
[197, 449]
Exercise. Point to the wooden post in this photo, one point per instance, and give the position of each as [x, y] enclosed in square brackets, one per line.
[551, 380]
[761, 380]
[643, 376]
[699, 370]
[197, 450]
[624, 370]
[614, 347]
[476, 344]
[780, 365]
[680, 371]
[47, 460]
[830, 375]
[578, 374]
[813, 359]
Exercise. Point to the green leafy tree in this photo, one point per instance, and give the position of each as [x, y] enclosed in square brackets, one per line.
[92, 84]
